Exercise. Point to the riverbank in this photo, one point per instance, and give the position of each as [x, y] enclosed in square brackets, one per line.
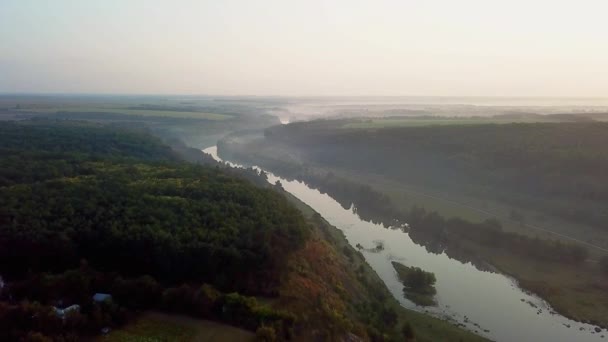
[426, 328]
[330, 248]
[576, 291]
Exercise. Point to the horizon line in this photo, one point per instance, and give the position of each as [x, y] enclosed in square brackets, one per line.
[102, 94]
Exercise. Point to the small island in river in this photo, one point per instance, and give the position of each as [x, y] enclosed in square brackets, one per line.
[418, 285]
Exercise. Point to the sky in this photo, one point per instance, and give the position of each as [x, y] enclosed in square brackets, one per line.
[306, 48]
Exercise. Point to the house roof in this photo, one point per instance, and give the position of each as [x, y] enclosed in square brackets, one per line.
[101, 297]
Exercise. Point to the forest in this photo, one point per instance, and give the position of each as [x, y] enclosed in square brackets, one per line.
[87, 208]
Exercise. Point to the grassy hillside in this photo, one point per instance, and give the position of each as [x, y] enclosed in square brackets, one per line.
[157, 326]
[329, 260]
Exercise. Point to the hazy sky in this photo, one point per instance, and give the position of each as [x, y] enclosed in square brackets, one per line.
[283, 47]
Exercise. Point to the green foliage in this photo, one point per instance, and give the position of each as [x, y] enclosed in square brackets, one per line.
[266, 334]
[140, 293]
[143, 221]
[27, 320]
[431, 229]
[408, 332]
[145, 214]
[416, 278]
[418, 284]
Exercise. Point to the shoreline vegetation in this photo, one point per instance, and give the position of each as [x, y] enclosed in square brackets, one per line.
[565, 270]
[418, 285]
[426, 327]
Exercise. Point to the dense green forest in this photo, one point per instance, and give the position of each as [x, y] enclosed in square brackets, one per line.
[89, 208]
[157, 218]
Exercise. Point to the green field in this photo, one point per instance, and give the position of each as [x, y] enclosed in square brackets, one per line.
[155, 326]
[430, 121]
[478, 210]
[127, 111]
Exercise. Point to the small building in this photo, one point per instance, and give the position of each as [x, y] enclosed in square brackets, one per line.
[101, 297]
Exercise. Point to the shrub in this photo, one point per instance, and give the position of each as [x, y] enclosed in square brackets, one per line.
[266, 334]
[408, 332]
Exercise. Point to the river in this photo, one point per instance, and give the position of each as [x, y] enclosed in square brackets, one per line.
[490, 304]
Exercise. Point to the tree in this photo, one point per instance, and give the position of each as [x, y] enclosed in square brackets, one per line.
[419, 280]
[407, 331]
[389, 317]
[37, 337]
[266, 334]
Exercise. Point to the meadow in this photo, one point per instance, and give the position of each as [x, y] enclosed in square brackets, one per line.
[157, 326]
[127, 111]
[441, 121]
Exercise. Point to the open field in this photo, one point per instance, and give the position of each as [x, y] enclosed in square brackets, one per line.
[576, 291]
[436, 121]
[127, 111]
[155, 326]
[533, 223]
[477, 210]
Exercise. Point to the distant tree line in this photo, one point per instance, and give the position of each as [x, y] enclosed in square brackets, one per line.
[558, 168]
